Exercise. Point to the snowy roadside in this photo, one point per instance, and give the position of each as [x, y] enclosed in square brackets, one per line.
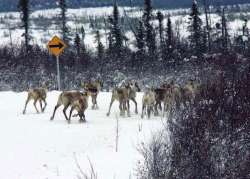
[34, 147]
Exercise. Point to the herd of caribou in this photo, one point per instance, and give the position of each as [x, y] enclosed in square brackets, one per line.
[169, 94]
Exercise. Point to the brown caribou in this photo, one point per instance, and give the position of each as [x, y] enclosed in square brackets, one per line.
[121, 95]
[124, 93]
[189, 92]
[77, 100]
[93, 88]
[148, 102]
[37, 94]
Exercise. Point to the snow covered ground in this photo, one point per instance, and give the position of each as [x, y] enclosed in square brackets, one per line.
[33, 147]
[45, 24]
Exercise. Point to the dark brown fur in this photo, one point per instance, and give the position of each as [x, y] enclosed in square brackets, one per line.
[93, 88]
[159, 98]
[170, 95]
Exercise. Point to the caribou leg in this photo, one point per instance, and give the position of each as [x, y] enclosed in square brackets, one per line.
[57, 106]
[110, 105]
[35, 105]
[64, 112]
[142, 113]
[26, 103]
[136, 110]
[44, 105]
[41, 105]
[128, 107]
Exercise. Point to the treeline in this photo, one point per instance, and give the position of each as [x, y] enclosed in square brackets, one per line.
[159, 46]
[154, 38]
[10, 5]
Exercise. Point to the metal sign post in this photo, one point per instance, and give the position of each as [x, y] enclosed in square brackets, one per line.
[58, 73]
[56, 47]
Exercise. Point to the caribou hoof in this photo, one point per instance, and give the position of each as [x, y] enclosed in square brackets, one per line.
[82, 120]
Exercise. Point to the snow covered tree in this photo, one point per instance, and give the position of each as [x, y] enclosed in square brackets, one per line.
[195, 29]
[23, 6]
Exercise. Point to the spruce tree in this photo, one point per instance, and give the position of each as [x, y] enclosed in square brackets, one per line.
[23, 6]
[140, 37]
[169, 38]
[83, 33]
[100, 47]
[110, 42]
[195, 29]
[245, 34]
[149, 29]
[208, 26]
[140, 42]
[78, 44]
[205, 46]
[115, 36]
[83, 47]
[116, 29]
[224, 31]
[245, 31]
[160, 18]
[63, 20]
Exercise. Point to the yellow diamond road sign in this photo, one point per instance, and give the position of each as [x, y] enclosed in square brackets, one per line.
[56, 46]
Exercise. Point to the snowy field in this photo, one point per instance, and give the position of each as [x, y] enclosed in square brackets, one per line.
[33, 147]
